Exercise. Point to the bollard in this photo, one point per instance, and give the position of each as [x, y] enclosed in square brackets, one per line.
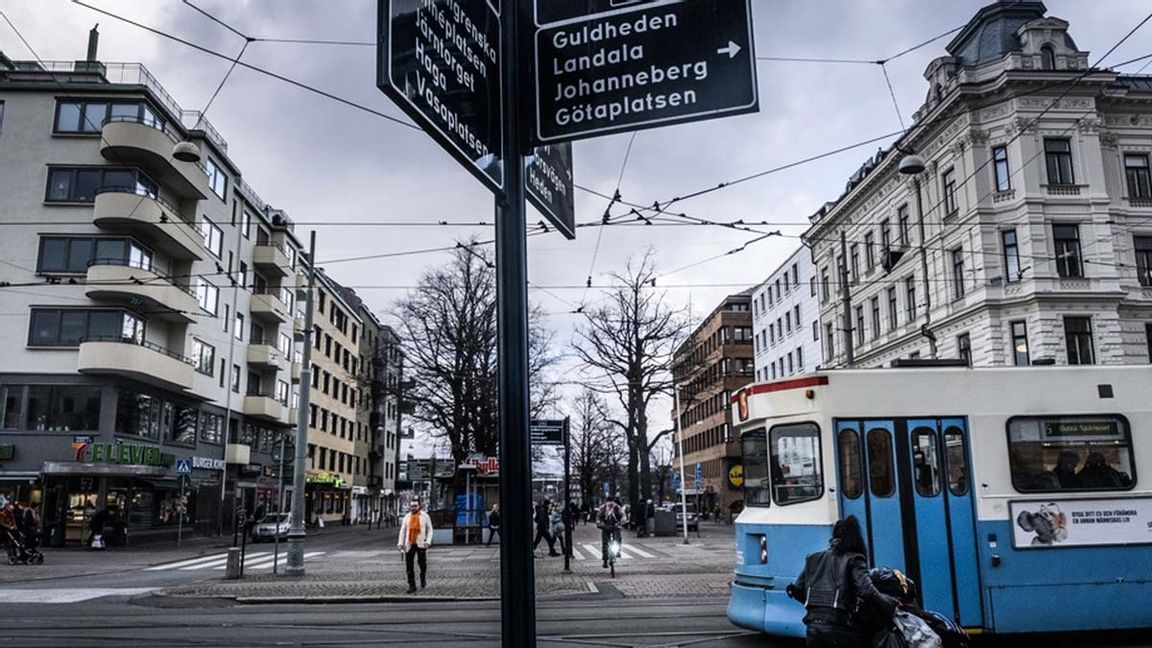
[233, 568]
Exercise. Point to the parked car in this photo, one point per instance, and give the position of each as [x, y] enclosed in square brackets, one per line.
[693, 519]
[273, 525]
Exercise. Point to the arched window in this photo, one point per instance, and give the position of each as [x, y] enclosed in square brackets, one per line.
[1047, 58]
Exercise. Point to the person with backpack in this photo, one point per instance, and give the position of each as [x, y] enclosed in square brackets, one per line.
[611, 516]
[831, 584]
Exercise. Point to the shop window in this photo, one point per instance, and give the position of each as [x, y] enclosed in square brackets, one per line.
[50, 408]
[851, 481]
[797, 474]
[1049, 454]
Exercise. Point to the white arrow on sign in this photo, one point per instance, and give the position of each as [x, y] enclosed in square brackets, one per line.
[732, 50]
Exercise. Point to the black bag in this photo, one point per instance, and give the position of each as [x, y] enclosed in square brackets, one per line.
[888, 637]
[951, 634]
[894, 583]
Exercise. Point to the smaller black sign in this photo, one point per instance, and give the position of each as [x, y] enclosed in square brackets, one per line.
[548, 180]
[547, 432]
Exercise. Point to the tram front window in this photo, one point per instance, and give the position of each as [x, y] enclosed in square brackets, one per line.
[756, 490]
[797, 474]
[1070, 453]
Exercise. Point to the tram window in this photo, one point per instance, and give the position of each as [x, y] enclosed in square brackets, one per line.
[925, 462]
[756, 490]
[851, 482]
[1070, 453]
[797, 475]
[957, 461]
[881, 479]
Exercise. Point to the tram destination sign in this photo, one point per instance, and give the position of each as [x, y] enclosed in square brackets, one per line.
[656, 64]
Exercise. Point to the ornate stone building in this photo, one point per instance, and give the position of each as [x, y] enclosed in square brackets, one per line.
[1034, 240]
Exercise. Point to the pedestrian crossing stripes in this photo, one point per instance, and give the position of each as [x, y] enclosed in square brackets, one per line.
[254, 560]
[627, 552]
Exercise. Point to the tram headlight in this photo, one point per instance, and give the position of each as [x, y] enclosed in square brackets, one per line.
[763, 550]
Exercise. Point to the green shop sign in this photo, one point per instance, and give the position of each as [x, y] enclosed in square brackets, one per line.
[130, 453]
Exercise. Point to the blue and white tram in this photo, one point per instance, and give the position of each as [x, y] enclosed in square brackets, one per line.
[1020, 499]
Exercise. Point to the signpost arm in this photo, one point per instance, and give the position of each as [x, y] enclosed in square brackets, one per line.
[296, 516]
[517, 571]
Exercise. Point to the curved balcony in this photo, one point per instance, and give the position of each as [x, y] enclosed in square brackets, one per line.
[265, 356]
[149, 217]
[120, 281]
[269, 308]
[138, 141]
[265, 408]
[270, 257]
[142, 361]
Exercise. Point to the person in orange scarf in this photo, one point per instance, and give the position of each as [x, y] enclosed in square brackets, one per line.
[415, 538]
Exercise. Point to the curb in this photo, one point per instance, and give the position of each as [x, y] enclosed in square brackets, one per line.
[322, 600]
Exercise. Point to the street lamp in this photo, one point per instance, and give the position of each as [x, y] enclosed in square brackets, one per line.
[680, 437]
[913, 165]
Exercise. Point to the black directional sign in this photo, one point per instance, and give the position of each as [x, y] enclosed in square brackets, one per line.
[549, 182]
[657, 64]
[554, 11]
[439, 60]
[547, 432]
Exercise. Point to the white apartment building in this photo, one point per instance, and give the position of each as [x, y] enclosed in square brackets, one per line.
[1036, 219]
[150, 319]
[786, 320]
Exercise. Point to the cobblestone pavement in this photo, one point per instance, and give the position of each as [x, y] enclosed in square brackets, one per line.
[650, 568]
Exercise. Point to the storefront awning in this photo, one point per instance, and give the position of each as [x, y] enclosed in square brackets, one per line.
[111, 470]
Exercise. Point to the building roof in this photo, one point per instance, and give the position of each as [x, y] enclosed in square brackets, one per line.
[992, 32]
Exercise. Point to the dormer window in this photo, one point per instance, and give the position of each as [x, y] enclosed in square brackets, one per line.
[1047, 58]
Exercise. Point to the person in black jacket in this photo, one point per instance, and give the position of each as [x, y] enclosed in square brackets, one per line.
[542, 516]
[832, 583]
[493, 523]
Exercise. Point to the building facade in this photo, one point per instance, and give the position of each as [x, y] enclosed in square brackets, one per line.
[786, 320]
[707, 368]
[1034, 240]
[148, 309]
[334, 427]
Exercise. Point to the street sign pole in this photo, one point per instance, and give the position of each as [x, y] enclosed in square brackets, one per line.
[567, 496]
[680, 437]
[296, 531]
[517, 571]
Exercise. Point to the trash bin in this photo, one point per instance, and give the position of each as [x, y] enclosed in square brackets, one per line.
[665, 523]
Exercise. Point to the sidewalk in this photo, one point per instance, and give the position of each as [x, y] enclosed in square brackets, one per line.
[701, 569]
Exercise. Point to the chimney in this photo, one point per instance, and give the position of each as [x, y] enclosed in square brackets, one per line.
[91, 64]
[93, 43]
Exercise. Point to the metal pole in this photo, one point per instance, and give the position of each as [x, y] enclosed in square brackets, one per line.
[517, 571]
[924, 269]
[296, 516]
[567, 497]
[279, 509]
[846, 297]
[683, 482]
[180, 513]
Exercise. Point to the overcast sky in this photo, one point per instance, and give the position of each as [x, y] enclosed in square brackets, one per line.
[322, 161]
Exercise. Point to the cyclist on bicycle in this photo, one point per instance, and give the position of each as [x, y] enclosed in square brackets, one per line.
[610, 517]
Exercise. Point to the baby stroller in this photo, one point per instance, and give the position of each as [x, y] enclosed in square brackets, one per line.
[23, 550]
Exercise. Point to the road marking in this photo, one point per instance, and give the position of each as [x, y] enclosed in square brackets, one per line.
[594, 551]
[636, 550]
[203, 562]
[592, 587]
[70, 595]
[576, 553]
[266, 562]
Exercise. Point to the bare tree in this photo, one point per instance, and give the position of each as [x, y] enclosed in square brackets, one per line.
[448, 329]
[626, 345]
[597, 447]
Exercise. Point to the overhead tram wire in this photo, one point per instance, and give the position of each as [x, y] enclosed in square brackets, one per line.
[607, 215]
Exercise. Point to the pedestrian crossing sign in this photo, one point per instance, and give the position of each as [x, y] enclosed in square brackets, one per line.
[183, 466]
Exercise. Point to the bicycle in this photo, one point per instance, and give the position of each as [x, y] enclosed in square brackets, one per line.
[613, 552]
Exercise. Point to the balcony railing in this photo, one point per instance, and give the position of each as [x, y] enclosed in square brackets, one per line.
[154, 124]
[151, 346]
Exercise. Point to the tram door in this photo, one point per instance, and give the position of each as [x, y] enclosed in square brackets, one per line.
[907, 480]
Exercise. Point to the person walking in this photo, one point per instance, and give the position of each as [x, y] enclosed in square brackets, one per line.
[610, 517]
[832, 583]
[543, 518]
[556, 520]
[493, 523]
[96, 526]
[415, 538]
